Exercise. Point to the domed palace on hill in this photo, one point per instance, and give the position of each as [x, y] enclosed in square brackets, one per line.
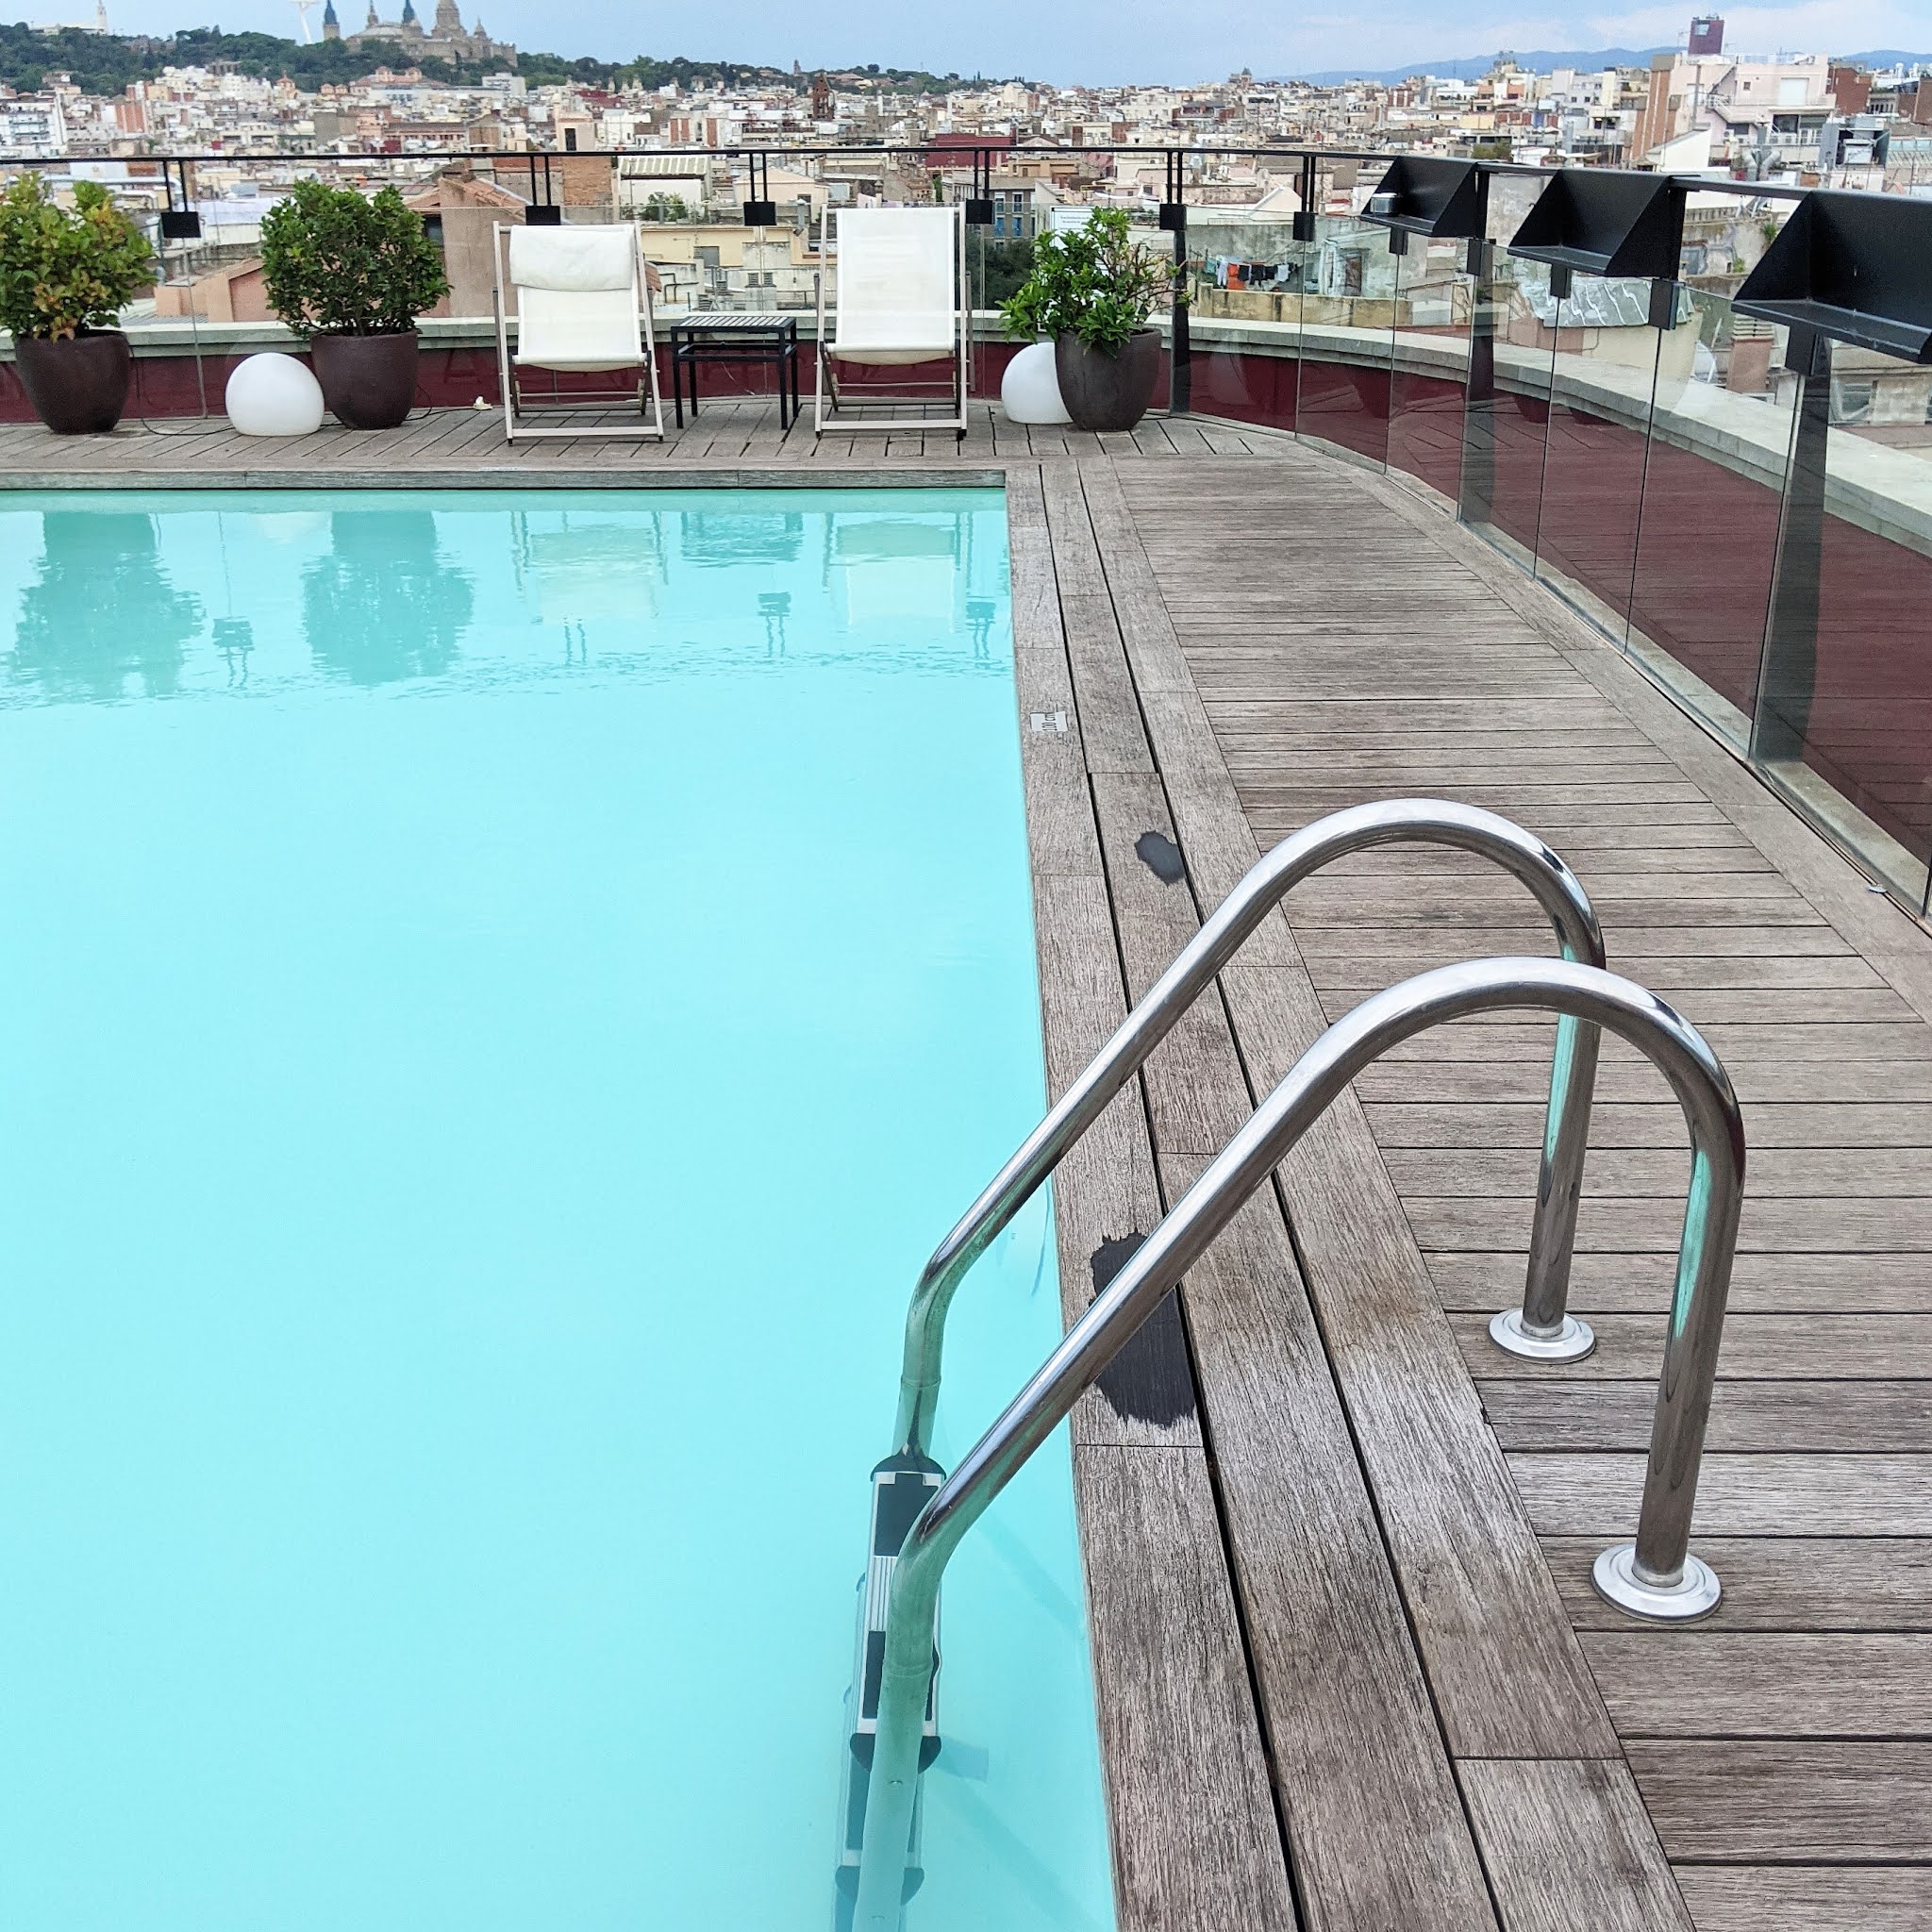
[448, 40]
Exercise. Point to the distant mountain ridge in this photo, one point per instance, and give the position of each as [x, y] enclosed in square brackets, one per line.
[1541, 60]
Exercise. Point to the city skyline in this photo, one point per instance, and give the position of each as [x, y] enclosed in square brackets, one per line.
[1121, 41]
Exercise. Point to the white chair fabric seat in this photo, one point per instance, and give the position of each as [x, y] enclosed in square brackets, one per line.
[900, 295]
[583, 305]
[565, 329]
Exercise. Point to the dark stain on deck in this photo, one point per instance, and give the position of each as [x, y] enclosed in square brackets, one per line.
[1149, 1381]
[1161, 856]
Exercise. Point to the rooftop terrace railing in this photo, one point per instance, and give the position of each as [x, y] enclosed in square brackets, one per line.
[1724, 468]
[1743, 503]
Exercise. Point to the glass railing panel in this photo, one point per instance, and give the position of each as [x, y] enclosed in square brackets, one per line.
[1244, 319]
[1348, 319]
[1845, 705]
[1512, 368]
[1713, 492]
[1430, 370]
[1610, 336]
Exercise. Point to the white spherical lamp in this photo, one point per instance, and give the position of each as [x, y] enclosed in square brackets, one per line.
[1030, 388]
[274, 395]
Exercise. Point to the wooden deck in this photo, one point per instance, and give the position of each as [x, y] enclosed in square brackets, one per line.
[1353, 1676]
[466, 447]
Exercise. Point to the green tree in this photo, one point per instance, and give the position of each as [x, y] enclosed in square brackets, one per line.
[336, 264]
[62, 274]
[1007, 265]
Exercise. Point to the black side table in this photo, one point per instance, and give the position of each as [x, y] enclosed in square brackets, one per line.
[728, 335]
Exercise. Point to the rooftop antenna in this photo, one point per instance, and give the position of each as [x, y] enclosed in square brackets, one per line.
[302, 9]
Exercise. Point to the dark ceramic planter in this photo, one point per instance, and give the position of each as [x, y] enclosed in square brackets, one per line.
[369, 382]
[1104, 391]
[77, 387]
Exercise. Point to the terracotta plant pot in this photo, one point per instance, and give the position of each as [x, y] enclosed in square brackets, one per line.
[369, 382]
[1104, 391]
[77, 387]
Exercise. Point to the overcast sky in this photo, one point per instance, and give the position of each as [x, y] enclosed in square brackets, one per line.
[1094, 40]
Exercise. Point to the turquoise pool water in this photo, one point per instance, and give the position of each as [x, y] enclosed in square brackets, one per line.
[498, 996]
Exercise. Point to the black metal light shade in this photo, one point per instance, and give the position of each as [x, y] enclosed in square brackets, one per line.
[979, 211]
[1605, 222]
[543, 214]
[180, 224]
[1174, 217]
[761, 214]
[1302, 224]
[1855, 267]
[1443, 200]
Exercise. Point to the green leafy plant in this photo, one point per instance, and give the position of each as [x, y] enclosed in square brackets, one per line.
[666, 207]
[1095, 282]
[61, 273]
[336, 264]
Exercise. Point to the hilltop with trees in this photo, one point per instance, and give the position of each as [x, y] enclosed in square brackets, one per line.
[108, 63]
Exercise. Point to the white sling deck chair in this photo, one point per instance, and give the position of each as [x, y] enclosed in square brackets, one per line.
[583, 304]
[902, 297]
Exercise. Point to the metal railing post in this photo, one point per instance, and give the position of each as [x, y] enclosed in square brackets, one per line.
[1542, 1326]
[1655, 1577]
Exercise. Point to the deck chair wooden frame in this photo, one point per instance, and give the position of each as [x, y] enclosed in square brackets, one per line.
[632, 338]
[840, 410]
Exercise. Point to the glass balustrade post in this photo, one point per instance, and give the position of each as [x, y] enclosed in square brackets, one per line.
[1788, 673]
[1478, 486]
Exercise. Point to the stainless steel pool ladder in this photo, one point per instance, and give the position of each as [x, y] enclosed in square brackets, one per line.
[1656, 1577]
[1542, 1326]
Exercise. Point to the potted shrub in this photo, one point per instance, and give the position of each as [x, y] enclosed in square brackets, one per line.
[65, 278]
[1090, 291]
[350, 274]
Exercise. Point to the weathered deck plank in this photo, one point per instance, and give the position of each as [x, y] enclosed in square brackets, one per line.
[1748, 1801]
[1808, 1898]
[1610, 1876]
[1765, 1684]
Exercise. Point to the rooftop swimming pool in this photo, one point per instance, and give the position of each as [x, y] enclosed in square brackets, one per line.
[499, 995]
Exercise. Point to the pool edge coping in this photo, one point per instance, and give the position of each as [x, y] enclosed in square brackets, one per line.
[25, 481]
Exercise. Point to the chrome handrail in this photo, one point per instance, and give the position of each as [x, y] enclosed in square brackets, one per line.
[1655, 1577]
[1542, 1326]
